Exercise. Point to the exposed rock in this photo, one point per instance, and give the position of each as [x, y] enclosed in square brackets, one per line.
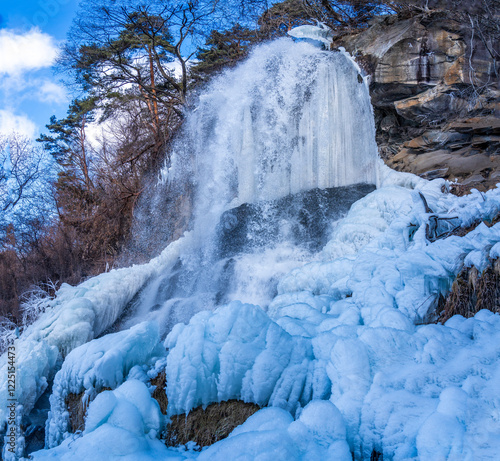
[76, 409]
[467, 166]
[388, 122]
[304, 218]
[430, 106]
[207, 426]
[425, 49]
[434, 174]
[159, 393]
[478, 125]
[435, 97]
[77, 405]
[473, 179]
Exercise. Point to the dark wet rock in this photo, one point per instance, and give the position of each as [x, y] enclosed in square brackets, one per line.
[304, 218]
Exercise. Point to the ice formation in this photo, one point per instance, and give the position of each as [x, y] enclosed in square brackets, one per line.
[76, 316]
[341, 355]
[288, 119]
[344, 341]
[320, 35]
[102, 363]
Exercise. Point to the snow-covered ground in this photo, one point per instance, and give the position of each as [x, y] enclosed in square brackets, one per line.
[340, 358]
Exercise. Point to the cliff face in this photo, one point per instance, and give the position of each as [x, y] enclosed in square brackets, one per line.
[434, 88]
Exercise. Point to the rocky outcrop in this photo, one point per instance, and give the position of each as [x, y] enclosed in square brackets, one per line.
[435, 94]
[464, 151]
[205, 426]
[412, 51]
[303, 218]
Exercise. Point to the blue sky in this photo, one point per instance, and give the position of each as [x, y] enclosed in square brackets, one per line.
[30, 33]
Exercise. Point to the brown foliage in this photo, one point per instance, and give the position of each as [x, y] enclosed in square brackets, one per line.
[209, 425]
[159, 393]
[9, 301]
[472, 291]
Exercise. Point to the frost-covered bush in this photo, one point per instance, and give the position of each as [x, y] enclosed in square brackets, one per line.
[36, 301]
[8, 332]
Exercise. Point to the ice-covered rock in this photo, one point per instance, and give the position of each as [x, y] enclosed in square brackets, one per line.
[98, 364]
[320, 35]
[121, 424]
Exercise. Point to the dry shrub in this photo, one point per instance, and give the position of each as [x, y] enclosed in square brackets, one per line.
[159, 393]
[488, 291]
[209, 425]
[472, 291]
[460, 299]
[459, 189]
[77, 406]
[9, 290]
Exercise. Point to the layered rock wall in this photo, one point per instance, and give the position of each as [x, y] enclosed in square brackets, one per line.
[434, 88]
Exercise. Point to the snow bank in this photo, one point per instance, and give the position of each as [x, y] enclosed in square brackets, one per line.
[430, 394]
[121, 424]
[103, 362]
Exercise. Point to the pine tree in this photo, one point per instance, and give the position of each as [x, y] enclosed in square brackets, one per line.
[222, 50]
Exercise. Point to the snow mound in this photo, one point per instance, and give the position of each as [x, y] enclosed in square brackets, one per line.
[101, 363]
[121, 424]
[236, 352]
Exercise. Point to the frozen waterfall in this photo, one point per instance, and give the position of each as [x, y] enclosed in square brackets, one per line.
[280, 147]
[289, 119]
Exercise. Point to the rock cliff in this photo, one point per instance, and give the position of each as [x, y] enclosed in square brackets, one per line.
[435, 93]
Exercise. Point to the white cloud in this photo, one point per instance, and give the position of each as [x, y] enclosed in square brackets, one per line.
[10, 122]
[15, 89]
[51, 92]
[26, 51]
